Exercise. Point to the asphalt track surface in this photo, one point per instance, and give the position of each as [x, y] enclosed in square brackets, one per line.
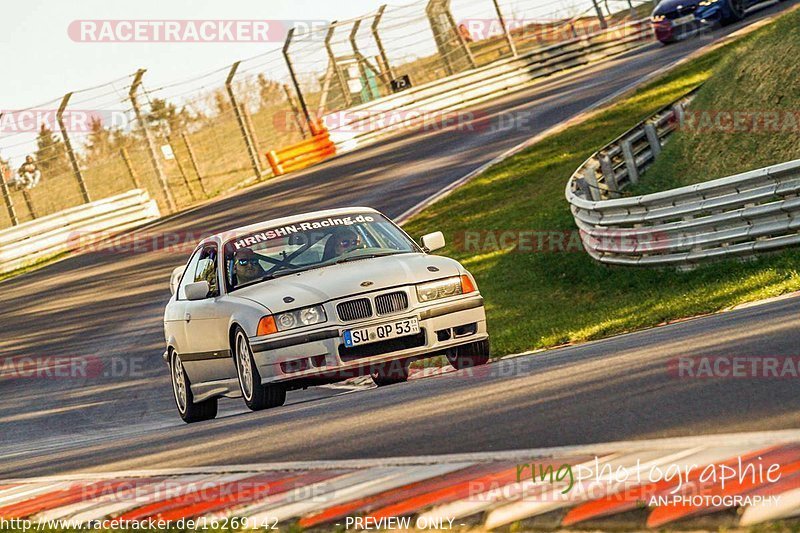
[122, 415]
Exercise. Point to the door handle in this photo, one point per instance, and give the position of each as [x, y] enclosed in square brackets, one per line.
[187, 317]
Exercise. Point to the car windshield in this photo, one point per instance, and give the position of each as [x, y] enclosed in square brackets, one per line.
[314, 243]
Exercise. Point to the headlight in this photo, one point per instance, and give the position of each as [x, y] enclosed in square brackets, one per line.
[444, 288]
[705, 3]
[657, 18]
[308, 316]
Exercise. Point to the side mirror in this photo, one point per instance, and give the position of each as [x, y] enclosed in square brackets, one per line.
[175, 278]
[198, 290]
[433, 241]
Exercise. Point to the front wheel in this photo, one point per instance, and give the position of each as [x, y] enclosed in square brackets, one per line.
[256, 396]
[181, 387]
[469, 355]
[735, 12]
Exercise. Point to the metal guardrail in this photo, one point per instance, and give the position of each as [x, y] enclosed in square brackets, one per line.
[67, 230]
[739, 215]
[354, 127]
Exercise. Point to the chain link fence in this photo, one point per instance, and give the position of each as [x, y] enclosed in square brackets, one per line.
[196, 138]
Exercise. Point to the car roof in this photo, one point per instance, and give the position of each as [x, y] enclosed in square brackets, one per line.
[260, 226]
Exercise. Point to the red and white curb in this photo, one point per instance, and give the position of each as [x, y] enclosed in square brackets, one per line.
[476, 491]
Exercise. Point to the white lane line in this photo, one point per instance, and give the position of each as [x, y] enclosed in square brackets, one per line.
[27, 492]
[786, 507]
[355, 492]
[723, 440]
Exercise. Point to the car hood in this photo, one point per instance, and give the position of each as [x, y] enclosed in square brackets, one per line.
[339, 281]
[668, 6]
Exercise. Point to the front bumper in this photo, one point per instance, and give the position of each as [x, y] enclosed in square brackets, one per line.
[319, 354]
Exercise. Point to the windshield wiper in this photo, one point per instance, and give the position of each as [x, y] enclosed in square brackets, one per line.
[364, 256]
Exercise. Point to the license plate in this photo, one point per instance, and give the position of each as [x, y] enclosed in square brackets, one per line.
[381, 332]
[683, 20]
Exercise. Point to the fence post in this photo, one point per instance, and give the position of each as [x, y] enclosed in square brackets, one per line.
[124, 153]
[29, 203]
[76, 169]
[348, 101]
[295, 111]
[193, 159]
[461, 40]
[12, 214]
[296, 84]
[242, 126]
[180, 169]
[600, 17]
[251, 131]
[505, 29]
[151, 148]
[652, 139]
[379, 42]
[630, 161]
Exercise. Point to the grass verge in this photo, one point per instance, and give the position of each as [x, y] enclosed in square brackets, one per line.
[547, 297]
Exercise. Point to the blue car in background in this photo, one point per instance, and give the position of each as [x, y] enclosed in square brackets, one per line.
[673, 19]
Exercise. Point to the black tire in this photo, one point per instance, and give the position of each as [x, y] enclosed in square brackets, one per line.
[256, 396]
[184, 399]
[469, 355]
[390, 373]
[736, 11]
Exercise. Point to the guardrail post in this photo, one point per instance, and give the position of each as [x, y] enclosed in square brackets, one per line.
[148, 137]
[505, 29]
[123, 152]
[193, 159]
[679, 113]
[293, 75]
[609, 176]
[630, 161]
[76, 169]
[590, 176]
[240, 120]
[652, 139]
[379, 43]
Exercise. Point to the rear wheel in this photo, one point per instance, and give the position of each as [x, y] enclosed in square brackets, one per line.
[390, 373]
[256, 396]
[181, 387]
[735, 12]
[469, 355]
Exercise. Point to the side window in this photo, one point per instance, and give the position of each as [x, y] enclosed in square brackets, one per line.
[206, 269]
[188, 275]
[202, 267]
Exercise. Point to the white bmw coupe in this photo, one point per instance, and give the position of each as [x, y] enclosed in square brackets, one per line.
[314, 299]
